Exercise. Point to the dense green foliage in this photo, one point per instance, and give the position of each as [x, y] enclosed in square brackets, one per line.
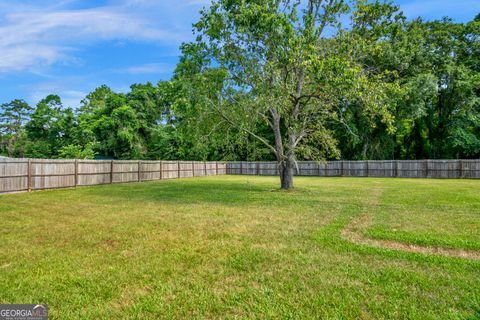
[233, 247]
[378, 87]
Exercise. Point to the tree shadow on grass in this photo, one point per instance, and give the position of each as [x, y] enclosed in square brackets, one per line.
[219, 192]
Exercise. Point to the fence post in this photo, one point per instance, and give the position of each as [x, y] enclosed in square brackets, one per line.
[161, 169]
[368, 170]
[76, 172]
[178, 169]
[193, 168]
[257, 164]
[426, 168]
[216, 168]
[396, 168]
[341, 168]
[29, 175]
[205, 166]
[460, 169]
[139, 170]
[111, 171]
[241, 167]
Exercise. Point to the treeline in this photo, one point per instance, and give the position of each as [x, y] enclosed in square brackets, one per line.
[138, 125]
[433, 109]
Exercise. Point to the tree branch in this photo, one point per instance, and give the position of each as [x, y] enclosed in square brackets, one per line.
[233, 124]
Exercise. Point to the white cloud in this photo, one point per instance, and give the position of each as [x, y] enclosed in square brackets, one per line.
[70, 98]
[31, 35]
[149, 68]
[16, 58]
[60, 87]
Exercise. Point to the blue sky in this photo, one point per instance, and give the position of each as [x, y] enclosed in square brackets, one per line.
[70, 47]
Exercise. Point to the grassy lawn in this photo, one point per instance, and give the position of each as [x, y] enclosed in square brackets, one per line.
[237, 247]
[448, 217]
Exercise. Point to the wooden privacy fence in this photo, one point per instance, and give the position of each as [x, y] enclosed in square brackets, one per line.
[38, 174]
[453, 169]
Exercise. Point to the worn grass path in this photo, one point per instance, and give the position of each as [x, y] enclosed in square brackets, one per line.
[356, 231]
[237, 247]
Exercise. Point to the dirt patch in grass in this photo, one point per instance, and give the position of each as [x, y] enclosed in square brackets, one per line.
[353, 233]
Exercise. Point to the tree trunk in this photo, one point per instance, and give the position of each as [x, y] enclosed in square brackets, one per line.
[286, 174]
[285, 165]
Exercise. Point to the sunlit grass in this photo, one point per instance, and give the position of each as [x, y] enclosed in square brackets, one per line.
[232, 246]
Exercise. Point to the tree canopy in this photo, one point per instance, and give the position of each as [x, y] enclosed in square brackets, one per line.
[283, 80]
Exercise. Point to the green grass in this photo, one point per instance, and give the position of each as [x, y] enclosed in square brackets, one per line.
[448, 217]
[237, 247]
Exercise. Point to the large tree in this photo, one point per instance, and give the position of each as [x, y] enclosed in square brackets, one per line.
[50, 128]
[13, 116]
[281, 65]
[436, 64]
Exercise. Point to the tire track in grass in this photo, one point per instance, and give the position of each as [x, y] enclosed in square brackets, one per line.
[353, 233]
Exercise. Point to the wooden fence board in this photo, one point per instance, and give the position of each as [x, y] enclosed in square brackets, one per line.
[211, 168]
[443, 169]
[470, 169]
[199, 169]
[451, 169]
[355, 168]
[52, 174]
[234, 167]
[221, 168]
[13, 175]
[125, 171]
[330, 169]
[37, 174]
[383, 168]
[149, 170]
[308, 168]
[186, 169]
[412, 169]
[170, 169]
[267, 168]
[249, 168]
[93, 172]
